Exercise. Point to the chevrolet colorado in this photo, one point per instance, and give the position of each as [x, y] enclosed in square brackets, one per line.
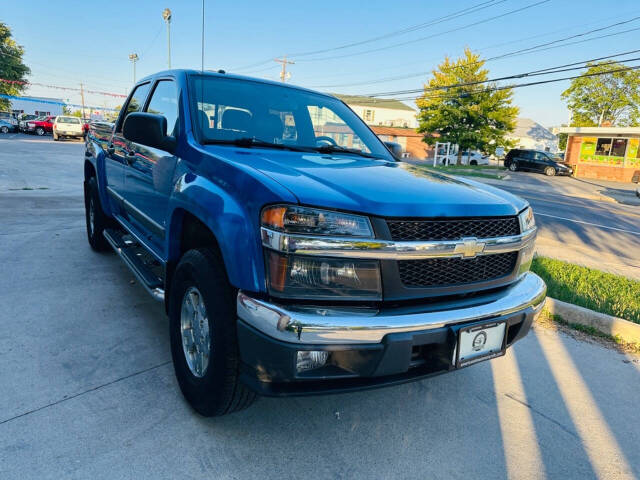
[293, 253]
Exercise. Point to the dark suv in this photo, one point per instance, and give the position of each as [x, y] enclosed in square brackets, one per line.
[536, 161]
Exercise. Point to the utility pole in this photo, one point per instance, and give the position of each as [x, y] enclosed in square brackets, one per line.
[134, 58]
[284, 76]
[166, 15]
[82, 97]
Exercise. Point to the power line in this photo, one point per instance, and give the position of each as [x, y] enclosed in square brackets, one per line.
[408, 42]
[435, 21]
[533, 49]
[451, 16]
[545, 71]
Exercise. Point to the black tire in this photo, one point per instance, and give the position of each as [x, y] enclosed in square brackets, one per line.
[100, 219]
[549, 171]
[40, 131]
[473, 162]
[513, 166]
[218, 391]
[4, 129]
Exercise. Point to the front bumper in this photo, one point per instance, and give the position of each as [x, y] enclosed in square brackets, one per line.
[369, 348]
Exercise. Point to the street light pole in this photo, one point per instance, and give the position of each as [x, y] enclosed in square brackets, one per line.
[134, 58]
[166, 15]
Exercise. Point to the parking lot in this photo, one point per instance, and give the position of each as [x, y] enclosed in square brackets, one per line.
[88, 391]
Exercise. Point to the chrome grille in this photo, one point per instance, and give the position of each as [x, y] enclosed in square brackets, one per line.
[441, 272]
[453, 229]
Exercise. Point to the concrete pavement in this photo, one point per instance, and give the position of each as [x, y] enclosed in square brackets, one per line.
[87, 390]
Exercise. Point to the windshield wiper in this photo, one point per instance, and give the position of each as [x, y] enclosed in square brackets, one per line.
[354, 151]
[249, 142]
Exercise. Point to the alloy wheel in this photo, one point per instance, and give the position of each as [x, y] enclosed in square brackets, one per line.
[194, 329]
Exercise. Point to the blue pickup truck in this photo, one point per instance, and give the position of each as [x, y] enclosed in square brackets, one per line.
[293, 253]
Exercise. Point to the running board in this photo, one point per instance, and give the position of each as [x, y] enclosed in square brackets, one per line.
[128, 250]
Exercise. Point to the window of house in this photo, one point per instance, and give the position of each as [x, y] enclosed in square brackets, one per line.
[619, 147]
[603, 147]
[369, 115]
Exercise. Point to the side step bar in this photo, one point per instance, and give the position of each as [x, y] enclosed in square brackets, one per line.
[126, 249]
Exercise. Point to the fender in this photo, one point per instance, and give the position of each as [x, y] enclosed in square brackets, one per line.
[234, 227]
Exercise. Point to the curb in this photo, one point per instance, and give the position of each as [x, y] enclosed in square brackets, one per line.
[627, 331]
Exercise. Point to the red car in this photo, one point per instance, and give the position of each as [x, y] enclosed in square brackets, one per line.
[41, 125]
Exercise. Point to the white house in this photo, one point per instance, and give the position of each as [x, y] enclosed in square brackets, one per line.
[381, 111]
[532, 135]
[37, 105]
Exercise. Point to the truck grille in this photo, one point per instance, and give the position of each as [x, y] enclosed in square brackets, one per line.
[451, 229]
[440, 272]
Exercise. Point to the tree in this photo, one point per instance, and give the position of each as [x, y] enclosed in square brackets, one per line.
[11, 67]
[612, 98]
[470, 114]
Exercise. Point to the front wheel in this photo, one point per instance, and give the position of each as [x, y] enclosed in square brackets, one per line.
[40, 131]
[4, 129]
[204, 344]
[513, 166]
[549, 171]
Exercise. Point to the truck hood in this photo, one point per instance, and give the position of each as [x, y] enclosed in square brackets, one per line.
[377, 187]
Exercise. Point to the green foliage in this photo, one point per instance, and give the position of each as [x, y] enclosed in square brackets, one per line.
[66, 110]
[471, 115]
[589, 288]
[11, 66]
[614, 97]
[562, 141]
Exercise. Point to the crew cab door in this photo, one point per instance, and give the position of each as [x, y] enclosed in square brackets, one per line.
[118, 149]
[149, 171]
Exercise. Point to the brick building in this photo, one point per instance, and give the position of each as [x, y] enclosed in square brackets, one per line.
[408, 138]
[607, 153]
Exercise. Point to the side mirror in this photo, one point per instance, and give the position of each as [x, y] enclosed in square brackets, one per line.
[148, 129]
[395, 149]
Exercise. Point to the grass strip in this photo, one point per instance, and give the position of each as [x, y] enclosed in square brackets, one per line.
[600, 291]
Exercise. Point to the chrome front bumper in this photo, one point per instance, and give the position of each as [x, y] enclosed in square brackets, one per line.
[318, 325]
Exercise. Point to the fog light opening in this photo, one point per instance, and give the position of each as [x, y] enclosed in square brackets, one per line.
[311, 359]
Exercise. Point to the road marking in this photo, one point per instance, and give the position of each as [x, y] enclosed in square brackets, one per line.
[588, 223]
[608, 208]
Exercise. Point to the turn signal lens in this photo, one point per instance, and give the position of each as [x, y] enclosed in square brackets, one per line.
[527, 220]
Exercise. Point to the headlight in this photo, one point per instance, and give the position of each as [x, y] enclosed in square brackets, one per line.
[527, 220]
[294, 219]
[309, 277]
[314, 277]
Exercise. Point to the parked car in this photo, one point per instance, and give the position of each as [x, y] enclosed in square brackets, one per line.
[536, 161]
[41, 125]
[23, 119]
[6, 127]
[9, 118]
[65, 126]
[307, 264]
[468, 158]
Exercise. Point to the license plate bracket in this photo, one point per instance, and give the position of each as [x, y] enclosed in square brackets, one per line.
[479, 342]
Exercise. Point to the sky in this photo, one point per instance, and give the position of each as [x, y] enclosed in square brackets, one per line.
[71, 42]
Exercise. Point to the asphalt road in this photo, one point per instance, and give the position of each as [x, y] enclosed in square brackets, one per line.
[595, 233]
[87, 389]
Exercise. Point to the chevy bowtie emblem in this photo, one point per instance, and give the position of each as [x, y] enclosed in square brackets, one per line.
[469, 247]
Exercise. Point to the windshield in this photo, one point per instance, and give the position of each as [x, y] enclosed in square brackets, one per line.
[73, 120]
[232, 111]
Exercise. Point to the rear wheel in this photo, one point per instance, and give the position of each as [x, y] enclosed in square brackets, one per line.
[4, 129]
[473, 162]
[204, 345]
[55, 136]
[549, 171]
[513, 166]
[96, 219]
